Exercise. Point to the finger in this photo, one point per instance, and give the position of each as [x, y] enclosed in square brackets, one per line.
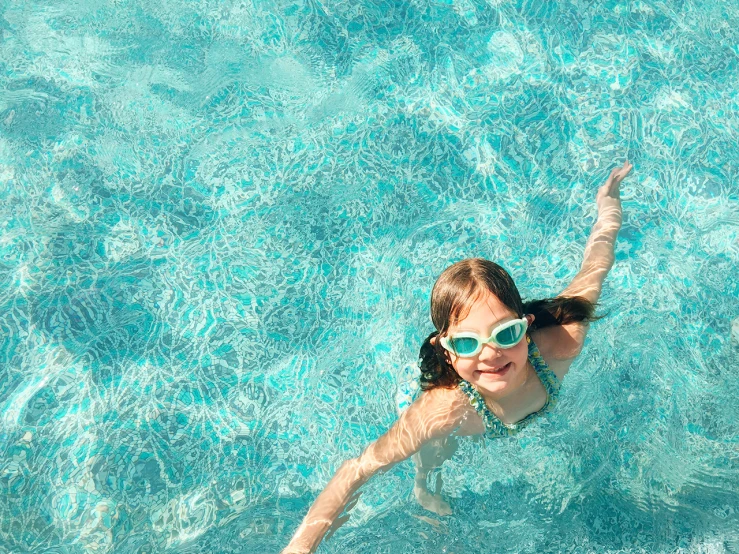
[621, 175]
[622, 172]
[605, 187]
[612, 181]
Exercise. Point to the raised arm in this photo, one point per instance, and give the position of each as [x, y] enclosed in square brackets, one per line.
[599, 250]
[436, 413]
[561, 344]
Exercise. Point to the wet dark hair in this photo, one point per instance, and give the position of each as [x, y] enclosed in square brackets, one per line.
[464, 283]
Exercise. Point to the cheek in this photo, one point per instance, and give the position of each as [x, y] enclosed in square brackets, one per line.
[464, 366]
[522, 351]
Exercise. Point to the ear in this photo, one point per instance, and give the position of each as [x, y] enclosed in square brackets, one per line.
[530, 318]
[433, 341]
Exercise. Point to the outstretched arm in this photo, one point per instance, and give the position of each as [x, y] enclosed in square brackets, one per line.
[599, 250]
[564, 342]
[435, 414]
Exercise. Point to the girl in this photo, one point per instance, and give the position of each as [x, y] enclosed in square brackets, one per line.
[492, 366]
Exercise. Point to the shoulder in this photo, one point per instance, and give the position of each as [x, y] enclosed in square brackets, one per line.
[560, 342]
[560, 345]
[451, 398]
[445, 409]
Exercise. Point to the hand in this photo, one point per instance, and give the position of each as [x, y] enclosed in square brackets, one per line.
[611, 187]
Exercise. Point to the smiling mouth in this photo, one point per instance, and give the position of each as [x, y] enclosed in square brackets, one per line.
[497, 371]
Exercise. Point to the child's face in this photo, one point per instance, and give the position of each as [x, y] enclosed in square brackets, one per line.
[486, 314]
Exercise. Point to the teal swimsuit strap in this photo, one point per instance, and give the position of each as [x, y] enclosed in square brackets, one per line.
[494, 427]
[548, 378]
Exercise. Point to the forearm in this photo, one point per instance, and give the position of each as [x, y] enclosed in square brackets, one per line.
[599, 253]
[600, 248]
[327, 507]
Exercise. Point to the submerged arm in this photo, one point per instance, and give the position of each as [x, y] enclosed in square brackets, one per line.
[436, 413]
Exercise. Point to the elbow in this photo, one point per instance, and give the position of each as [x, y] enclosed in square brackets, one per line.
[367, 465]
[358, 469]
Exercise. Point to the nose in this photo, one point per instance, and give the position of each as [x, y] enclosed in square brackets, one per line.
[489, 352]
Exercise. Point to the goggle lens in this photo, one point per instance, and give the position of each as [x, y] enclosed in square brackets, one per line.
[510, 336]
[464, 346]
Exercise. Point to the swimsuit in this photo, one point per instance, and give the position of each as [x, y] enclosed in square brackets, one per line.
[495, 428]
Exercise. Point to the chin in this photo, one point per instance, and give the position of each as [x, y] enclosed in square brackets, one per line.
[494, 382]
[500, 382]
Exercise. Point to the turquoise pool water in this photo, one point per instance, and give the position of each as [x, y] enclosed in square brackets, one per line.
[221, 221]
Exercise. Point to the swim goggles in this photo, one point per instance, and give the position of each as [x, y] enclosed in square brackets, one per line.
[468, 344]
